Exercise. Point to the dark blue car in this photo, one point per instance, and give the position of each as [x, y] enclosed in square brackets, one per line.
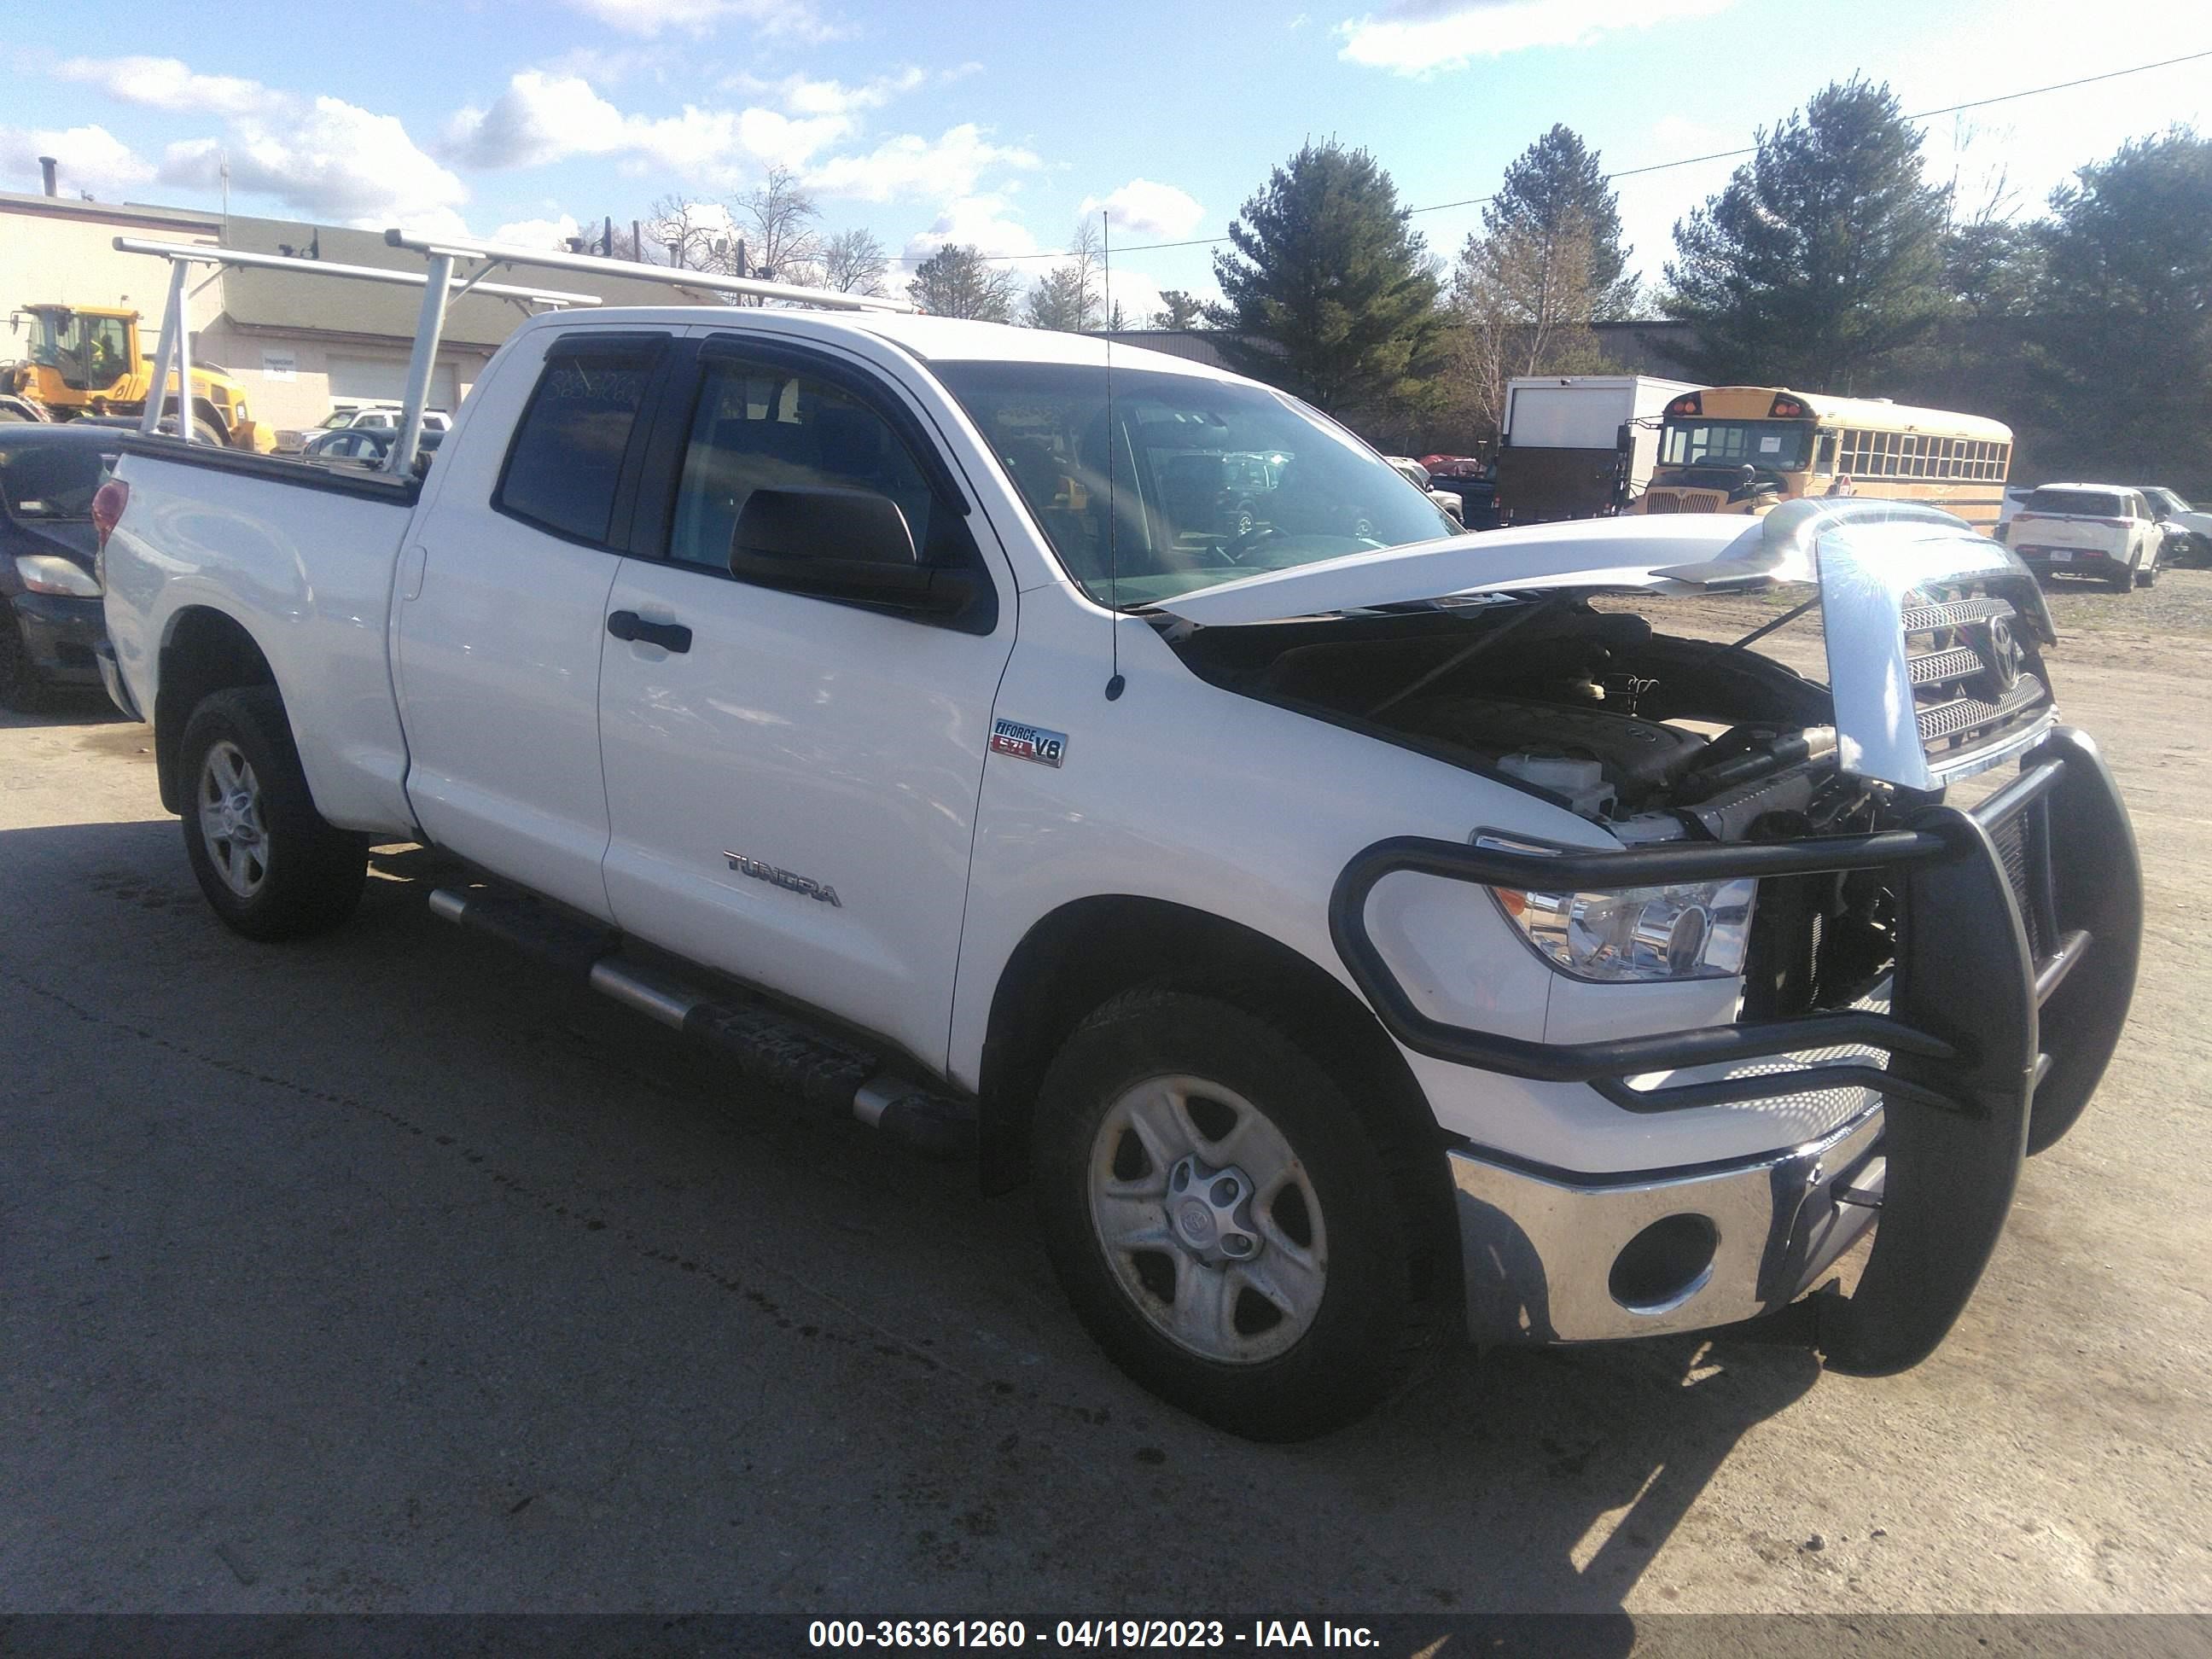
[50, 612]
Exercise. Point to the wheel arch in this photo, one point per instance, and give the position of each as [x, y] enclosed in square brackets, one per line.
[1090, 949]
[204, 651]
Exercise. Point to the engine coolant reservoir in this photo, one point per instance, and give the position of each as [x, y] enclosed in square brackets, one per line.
[1581, 781]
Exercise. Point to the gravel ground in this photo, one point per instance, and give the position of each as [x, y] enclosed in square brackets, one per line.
[390, 1272]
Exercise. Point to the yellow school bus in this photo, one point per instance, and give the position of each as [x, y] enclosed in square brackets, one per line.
[1746, 448]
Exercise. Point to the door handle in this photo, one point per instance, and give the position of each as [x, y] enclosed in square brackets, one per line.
[669, 636]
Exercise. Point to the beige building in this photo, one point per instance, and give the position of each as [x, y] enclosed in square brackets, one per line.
[300, 344]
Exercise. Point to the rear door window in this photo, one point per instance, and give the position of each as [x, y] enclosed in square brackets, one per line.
[565, 468]
[2076, 503]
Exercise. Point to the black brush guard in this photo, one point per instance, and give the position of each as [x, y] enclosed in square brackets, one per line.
[1995, 1041]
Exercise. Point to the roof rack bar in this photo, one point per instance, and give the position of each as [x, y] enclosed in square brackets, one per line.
[175, 349]
[203, 254]
[636, 270]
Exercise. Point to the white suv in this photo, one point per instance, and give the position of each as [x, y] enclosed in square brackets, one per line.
[2105, 531]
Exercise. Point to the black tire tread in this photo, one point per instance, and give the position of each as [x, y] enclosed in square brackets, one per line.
[317, 871]
[1274, 1402]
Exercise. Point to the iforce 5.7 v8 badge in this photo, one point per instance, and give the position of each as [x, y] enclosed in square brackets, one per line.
[1029, 743]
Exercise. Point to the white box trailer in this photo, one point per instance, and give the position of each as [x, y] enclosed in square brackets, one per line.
[1578, 446]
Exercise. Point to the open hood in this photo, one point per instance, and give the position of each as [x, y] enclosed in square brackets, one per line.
[1879, 566]
[1685, 552]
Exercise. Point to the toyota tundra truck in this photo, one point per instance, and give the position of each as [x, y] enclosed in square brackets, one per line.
[1359, 935]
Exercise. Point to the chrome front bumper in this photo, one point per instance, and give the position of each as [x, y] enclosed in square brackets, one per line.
[1543, 1251]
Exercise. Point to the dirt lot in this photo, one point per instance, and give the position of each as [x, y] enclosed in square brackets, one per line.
[390, 1272]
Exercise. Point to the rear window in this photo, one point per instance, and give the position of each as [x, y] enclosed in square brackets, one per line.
[567, 454]
[51, 480]
[2076, 503]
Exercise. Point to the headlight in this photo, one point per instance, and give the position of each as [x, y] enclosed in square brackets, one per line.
[49, 572]
[1694, 931]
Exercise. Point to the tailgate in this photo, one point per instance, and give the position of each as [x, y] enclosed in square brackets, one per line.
[2045, 530]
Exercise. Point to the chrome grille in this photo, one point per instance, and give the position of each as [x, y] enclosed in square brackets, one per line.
[1969, 714]
[1957, 673]
[1683, 501]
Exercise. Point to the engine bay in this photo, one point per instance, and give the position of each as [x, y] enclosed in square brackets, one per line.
[1657, 736]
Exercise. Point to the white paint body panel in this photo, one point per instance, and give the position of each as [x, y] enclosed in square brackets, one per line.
[308, 575]
[497, 657]
[850, 747]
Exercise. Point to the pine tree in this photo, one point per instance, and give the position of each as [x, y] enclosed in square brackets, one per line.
[1179, 311]
[1071, 296]
[2122, 319]
[1823, 256]
[1328, 294]
[1555, 191]
[958, 282]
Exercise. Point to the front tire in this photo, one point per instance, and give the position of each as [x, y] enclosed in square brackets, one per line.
[269, 866]
[1226, 1226]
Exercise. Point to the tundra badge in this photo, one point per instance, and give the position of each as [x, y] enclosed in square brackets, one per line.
[784, 878]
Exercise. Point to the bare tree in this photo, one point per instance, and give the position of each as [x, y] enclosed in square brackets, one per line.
[1072, 295]
[1523, 300]
[853, 262]
[777, 220]
[694, 235]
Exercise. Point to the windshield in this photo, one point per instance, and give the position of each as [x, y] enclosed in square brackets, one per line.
[1779, 445]
[1212, 480]
[52, 480]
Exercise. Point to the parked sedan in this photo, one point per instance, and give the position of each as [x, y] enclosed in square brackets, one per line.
[49, 616]
[367, 445]
[2103, 530]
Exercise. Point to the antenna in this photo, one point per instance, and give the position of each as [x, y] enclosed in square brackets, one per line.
[1115, 685]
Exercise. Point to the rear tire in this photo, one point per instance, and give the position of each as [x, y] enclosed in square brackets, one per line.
[1272, 1293]
[271, 866]
[2124, 582]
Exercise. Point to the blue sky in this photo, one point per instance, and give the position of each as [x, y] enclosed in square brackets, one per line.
[1000, 124]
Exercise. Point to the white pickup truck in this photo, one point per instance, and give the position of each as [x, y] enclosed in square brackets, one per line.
[1358, 933]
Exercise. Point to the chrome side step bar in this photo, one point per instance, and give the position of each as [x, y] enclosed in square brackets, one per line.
[827, 1071]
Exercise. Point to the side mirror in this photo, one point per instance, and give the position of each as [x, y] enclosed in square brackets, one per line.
[841, 545]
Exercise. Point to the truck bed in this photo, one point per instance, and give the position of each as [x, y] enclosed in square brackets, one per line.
[300, 557]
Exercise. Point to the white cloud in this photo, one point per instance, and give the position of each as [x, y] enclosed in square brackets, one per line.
[1138, 294]
[1425, 37]
[1145, 208]
[803, 96]
[543, 118]
[539, 233]
[91, 158]
[797, 19]
[983, 221]
[166, 83]
[330, 160]
[945, 168]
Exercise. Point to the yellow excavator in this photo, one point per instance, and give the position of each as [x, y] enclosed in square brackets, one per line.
[86, 360]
